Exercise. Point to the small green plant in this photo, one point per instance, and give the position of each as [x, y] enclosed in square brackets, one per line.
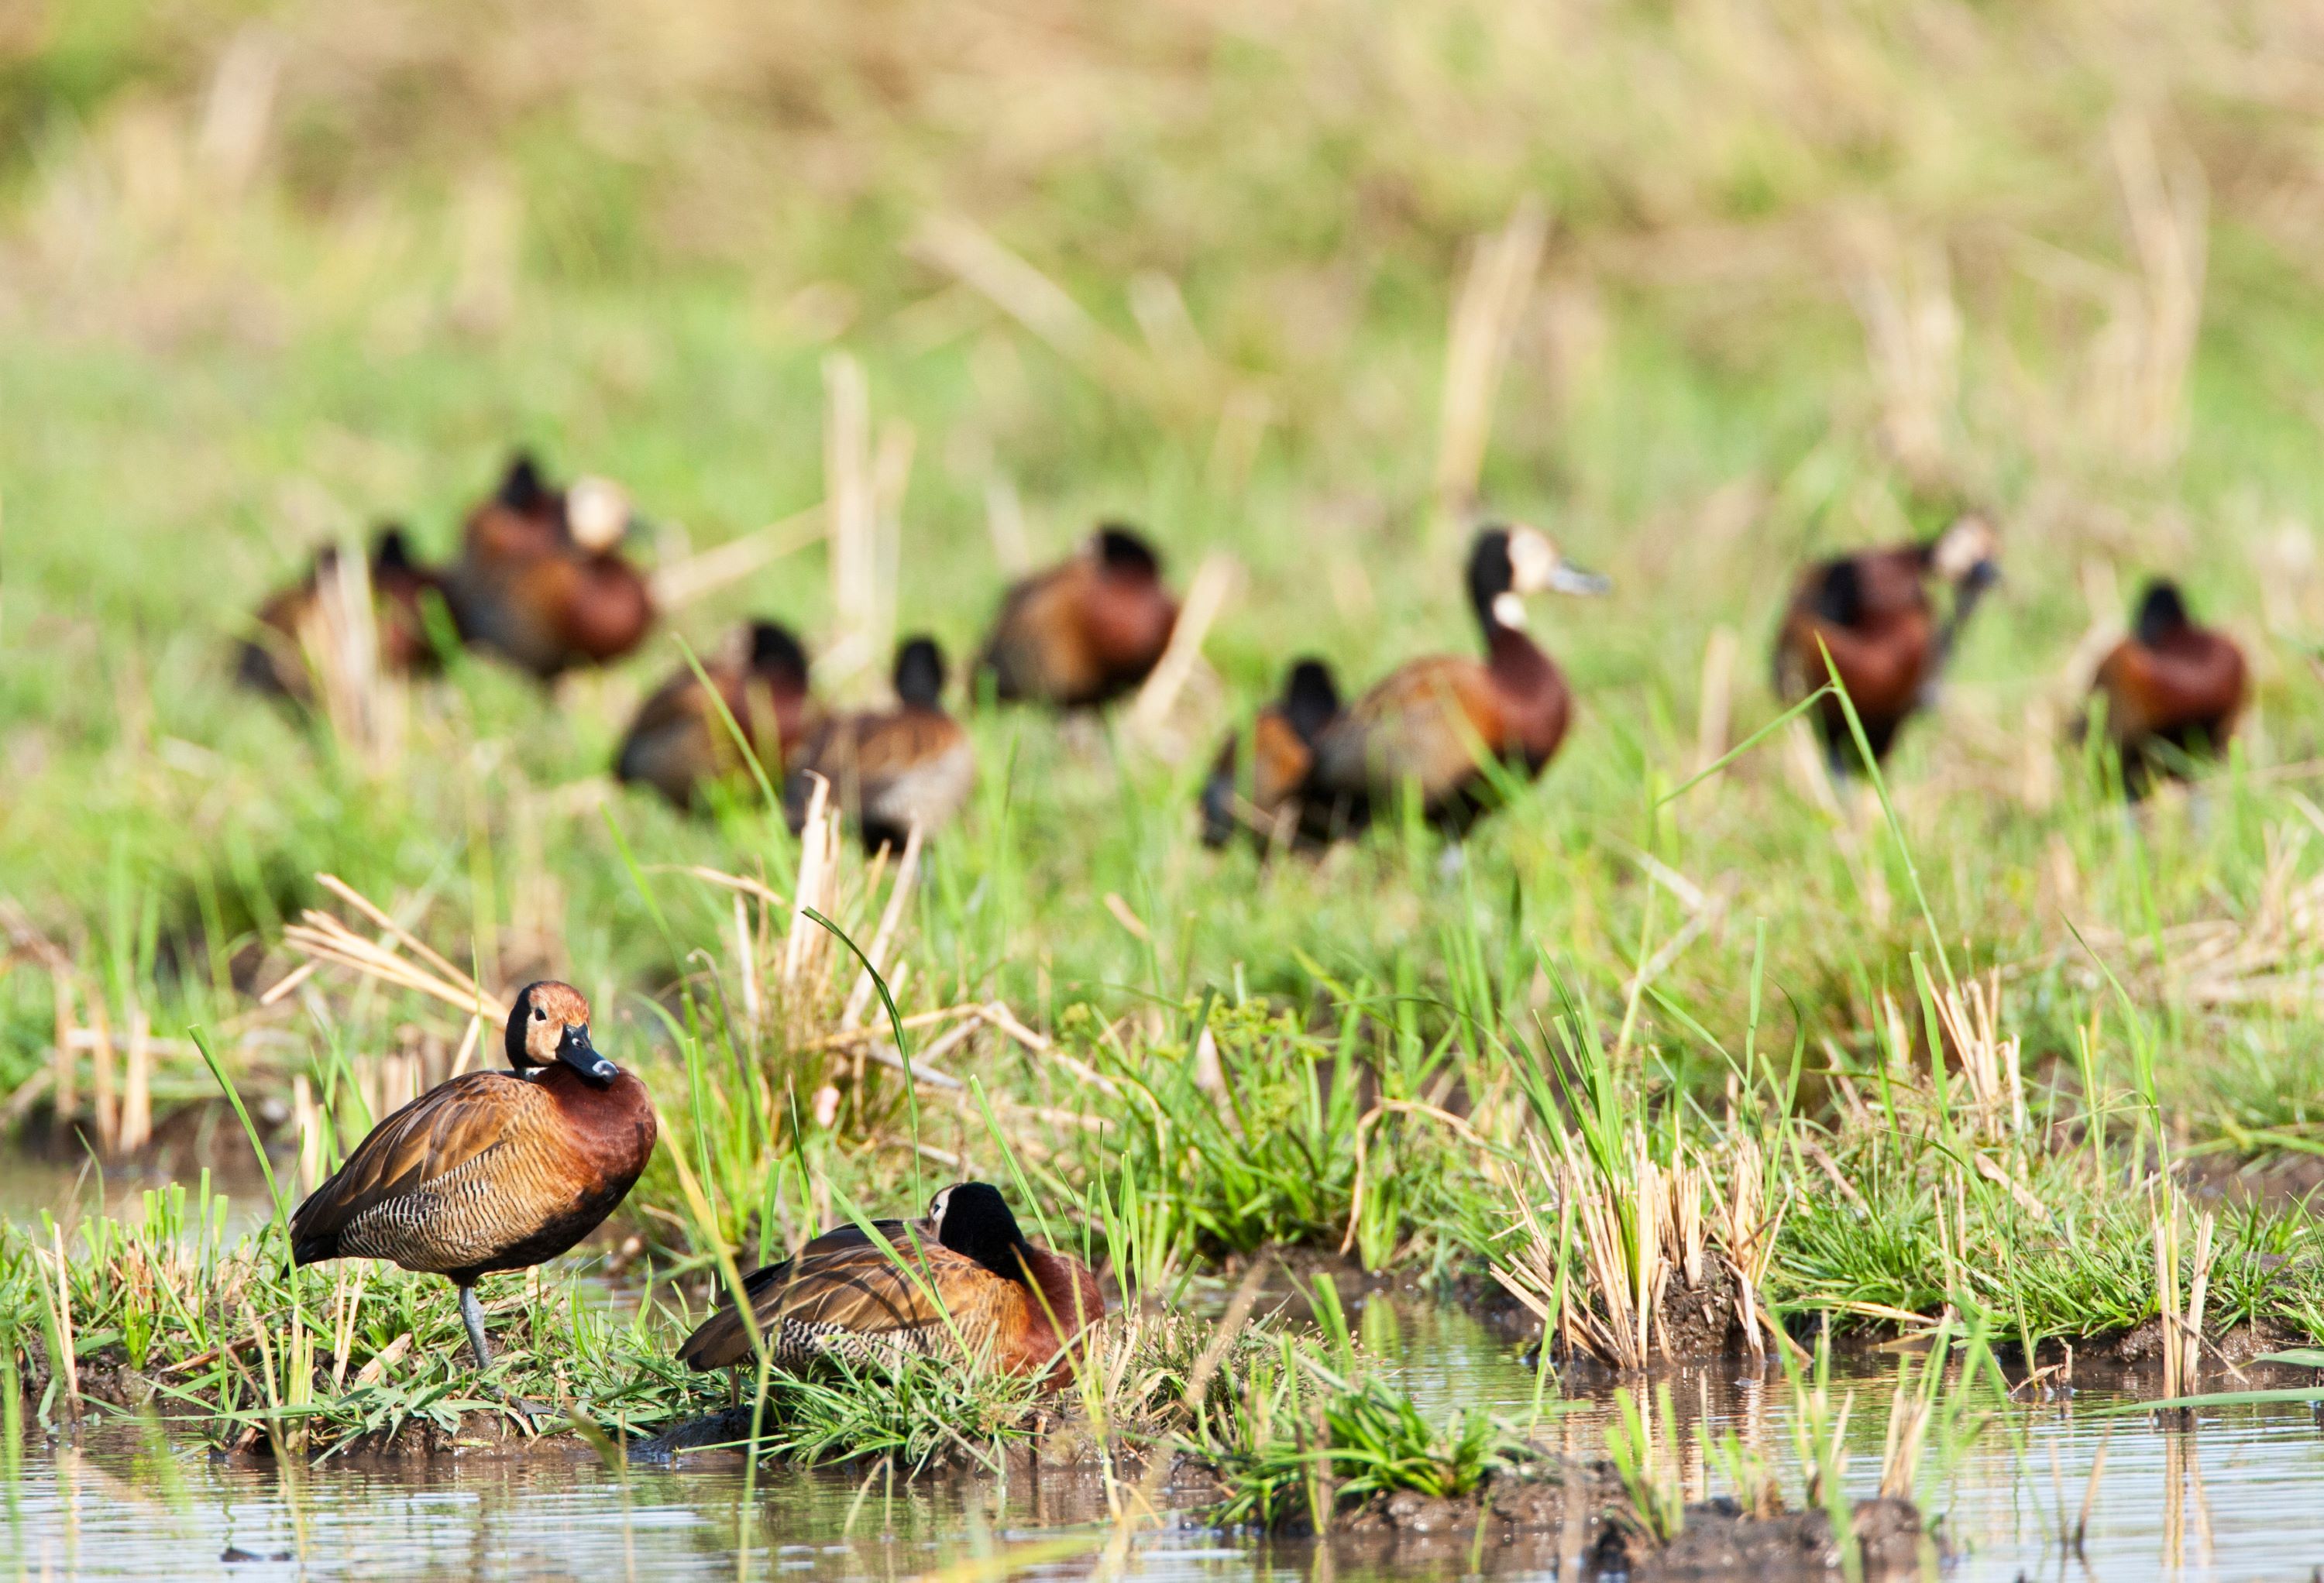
[1646, 1464]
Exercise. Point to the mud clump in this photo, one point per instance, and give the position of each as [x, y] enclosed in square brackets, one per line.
[1721, 1541]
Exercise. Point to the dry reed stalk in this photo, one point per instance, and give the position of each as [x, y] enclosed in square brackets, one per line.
[2153, 340]
[1214, 581]
[238, 109]
[324, 938]
[67, 1101]
[137, 1085]
[851, 521]
[69, 1365]
[1746, 1223]
[806, 940]
[1715, 712]
[1989, 1061]
[973, 257]
[1004, 523]
[908, 867]
[340, 640]
[1912, 338]
[308, 1118]
[721, 566]
[104, 1104]
[1909, 1413]
[1493, 296]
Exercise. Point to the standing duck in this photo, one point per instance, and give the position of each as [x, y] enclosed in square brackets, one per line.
[541, 580]
[1086, 631]
[493, 1170]
[966, 1272]
[892, 769]
[293, 623]
[678, 743]
[1435, 724]
[1871, 611]
[1283, 739]
[2172, 690]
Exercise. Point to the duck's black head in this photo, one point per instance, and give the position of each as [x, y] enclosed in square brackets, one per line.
[920, 673]
[1311, 699]
[2161, 612]
[776, 655]
[391, 551]
[1492, 572]
[974, 1220]
[1123, 550]
[1840, 599]
[521, 487]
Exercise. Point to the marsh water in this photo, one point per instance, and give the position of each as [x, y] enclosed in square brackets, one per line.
[2236, 1494]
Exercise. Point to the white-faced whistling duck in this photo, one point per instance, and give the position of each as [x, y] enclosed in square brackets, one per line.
[493, 1170]
[976, 1278]
[678, 743]
[1086, 631]
[274, 659]
[2172, 690]
[1433, 725]
[1268, 802]
[1872, 610]
[892, 769]
[541, 580]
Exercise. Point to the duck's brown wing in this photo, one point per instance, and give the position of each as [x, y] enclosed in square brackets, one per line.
[1037, 649]
[1424, 723]
[463, 1172]
[1280, 763]
[844, 1297]
[2196, 681]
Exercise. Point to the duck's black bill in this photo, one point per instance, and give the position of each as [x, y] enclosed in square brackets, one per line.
[576, 1051]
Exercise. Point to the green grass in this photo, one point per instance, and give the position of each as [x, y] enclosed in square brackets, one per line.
[638, 259]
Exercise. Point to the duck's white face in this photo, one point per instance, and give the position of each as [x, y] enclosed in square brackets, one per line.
[1969, 543]
[1534, 561]
[936, 1207]
[598, 513]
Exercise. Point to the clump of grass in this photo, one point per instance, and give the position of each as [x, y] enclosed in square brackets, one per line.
[1314, 1430]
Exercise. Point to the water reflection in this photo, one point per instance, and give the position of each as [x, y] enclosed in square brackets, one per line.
[2233, 1494]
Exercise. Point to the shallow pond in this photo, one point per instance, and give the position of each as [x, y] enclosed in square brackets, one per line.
[2239, 1496]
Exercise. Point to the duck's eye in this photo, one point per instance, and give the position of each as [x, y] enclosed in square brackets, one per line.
[539, 1015]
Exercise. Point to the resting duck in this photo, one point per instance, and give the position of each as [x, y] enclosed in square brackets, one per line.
[1084, 631]
[965, 1276]
[892, 769]
[2171, 691]
[1271, 800]
[291, 625]
[678, 743]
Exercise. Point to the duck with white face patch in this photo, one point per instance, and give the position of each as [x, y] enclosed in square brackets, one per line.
[1430, 727]
[493, 1170]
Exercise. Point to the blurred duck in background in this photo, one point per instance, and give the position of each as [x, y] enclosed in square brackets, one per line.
[541, 580]
[1268, 801]
[1084, 631]
[1872, 611]
[678, 743]
[296, 630]
[1446, 727]
[890, 769]
[2169, 694]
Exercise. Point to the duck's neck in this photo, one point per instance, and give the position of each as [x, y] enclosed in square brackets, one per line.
[1513, 656]
[1069, 1297]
